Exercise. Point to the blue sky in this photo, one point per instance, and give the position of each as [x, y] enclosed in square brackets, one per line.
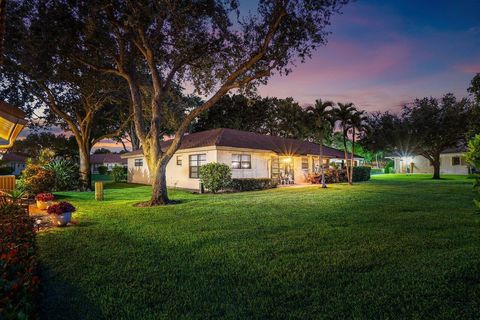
[383, 54]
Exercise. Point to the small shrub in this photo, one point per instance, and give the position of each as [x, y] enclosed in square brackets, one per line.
[66, 174]
[215, 176]
[252, 184]
[5, 171]
[361, 174]
[119, 174]
[473, 158]
[36, 179]
[103, 170]
[18, 264]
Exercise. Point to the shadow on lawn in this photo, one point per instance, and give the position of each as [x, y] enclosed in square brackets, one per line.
[66, 297]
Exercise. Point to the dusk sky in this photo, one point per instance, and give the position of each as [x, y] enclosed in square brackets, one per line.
[382, 54]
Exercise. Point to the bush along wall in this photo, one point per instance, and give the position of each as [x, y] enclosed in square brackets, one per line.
[340, 175]
[18, 279]
[252, 184]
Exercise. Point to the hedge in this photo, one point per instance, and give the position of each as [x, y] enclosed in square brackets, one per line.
[18, 280]
[361, 174]
[252, 184]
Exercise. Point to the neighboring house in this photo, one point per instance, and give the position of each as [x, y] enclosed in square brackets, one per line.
[250, 155]
[15, 161]
[108, 160]
[452, 161]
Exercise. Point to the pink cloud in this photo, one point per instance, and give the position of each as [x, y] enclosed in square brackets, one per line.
[469, 68]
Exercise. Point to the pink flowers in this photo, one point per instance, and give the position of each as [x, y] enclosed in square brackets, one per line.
[45, 197]
[61, 208]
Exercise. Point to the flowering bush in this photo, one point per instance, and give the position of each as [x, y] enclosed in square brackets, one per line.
[36, 179]
[44, 197]
[61, 208]
[18, 279]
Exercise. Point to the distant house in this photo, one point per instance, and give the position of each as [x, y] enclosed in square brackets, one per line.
[249, 155]
[108, 160]
[15, 161]
[452, 161]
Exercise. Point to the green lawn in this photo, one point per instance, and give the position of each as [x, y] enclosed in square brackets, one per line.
[394, 247]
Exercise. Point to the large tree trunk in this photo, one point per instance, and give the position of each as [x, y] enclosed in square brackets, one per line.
[436, 167]
[85, 181]
[159, 185]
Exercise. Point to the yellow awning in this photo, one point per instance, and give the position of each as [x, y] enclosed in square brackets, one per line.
[12, 121]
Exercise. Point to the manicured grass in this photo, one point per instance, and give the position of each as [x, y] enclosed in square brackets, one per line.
[394, 247]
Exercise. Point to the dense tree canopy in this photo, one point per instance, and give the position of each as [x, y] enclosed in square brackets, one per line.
[60, 145]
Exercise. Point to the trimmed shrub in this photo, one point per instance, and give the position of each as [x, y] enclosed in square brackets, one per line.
[103, 170]
[66, 174]
[252, 184]
[361, 174]
[5, 171]
[36, 179]
[119, 174]
[18, 264]
[215, 176]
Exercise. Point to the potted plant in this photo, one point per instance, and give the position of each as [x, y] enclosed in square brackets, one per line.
[44, 200]
[62, 212]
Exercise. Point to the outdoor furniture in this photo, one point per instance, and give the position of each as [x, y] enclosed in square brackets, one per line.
[7, 183]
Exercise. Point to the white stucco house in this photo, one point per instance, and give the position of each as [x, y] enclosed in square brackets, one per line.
[452, 161]
[250, 155]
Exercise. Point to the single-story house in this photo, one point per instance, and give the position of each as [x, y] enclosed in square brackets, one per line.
[15, 161]
[250, 155]
[452, 161]
[109, 160]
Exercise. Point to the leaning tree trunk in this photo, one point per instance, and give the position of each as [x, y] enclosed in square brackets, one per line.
[85, 181]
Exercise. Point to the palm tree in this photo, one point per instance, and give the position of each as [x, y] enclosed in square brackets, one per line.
[357, 125]
[343, 115]
[322, 115]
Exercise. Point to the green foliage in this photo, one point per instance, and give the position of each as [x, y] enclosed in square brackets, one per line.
[103, 170]
[119, 174]
[215, 176]
[472, 156]
[252, 184]
[361, 174]
[377, 171]
[36, 179]
[34, 143]
[66, 174]
[18, 263]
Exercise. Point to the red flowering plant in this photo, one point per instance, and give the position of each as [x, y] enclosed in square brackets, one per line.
[61, 208]
[45, 197]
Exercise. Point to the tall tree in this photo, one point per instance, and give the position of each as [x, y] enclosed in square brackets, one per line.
[343, 116]
[195, 42]
[56, 88]
[357, 127]
[322, 117]
[35, 142]
[437, 124]
[474, 123]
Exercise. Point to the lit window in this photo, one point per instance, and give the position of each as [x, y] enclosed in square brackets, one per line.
[241, 161]
[138, 162]
[455, 161]
[179, 160]
[304, 163]
[196, 161]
